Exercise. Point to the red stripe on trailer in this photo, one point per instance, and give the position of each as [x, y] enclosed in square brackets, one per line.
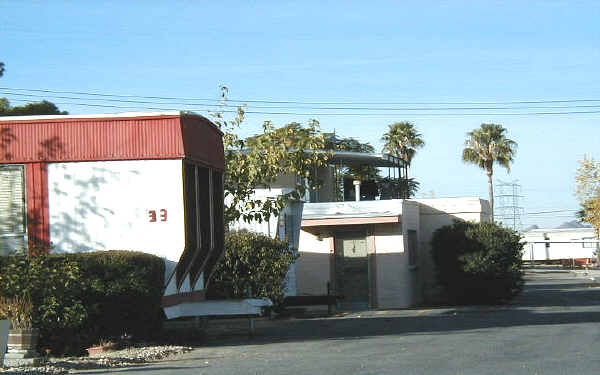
[38, 213]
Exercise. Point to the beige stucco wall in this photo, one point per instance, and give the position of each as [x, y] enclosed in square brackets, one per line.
[398, 285]
[395, 283]
[411, 219]
[312, 266]
[393, 279]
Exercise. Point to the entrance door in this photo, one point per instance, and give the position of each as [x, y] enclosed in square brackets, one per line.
[352, 271]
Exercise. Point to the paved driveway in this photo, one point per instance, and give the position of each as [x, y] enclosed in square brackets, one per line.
[552, 328]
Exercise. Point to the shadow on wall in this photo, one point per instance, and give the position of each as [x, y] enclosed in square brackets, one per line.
[6, 138]
[432, 219]
[49, 149]
[70, 227]
[312, 273]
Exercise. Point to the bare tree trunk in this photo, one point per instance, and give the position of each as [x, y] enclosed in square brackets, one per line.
[491, 191]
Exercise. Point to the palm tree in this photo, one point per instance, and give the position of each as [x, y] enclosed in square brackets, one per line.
[402, 141]
[487, 146]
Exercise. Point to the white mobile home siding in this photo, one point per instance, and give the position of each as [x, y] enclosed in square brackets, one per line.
[117, 205]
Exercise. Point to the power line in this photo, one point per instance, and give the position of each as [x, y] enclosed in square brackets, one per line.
[115, 106]
[107, 95]
[4, 92]
[548, 212]
[315, 114]
[267, 101]
[109, 99]
[532, 218]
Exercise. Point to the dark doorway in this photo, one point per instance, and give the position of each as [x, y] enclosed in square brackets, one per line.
[352, 270]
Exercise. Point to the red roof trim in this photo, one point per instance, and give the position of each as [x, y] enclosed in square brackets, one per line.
[76, 118]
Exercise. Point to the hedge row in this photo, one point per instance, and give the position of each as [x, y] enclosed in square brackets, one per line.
[82, 298]
[478, 262]
[254, 265]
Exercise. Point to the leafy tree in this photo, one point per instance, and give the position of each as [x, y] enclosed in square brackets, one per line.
[254, 265]
[32, 109]
[362, 172]
[397, 188]
[388, 188]
[333, 142]
[4, 105]
[588, 190]
[402, 141]
[257, 162]
[343, 173]
[478, 262]
[487, 146]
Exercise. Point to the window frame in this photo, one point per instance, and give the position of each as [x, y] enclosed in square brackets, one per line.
[25, 225]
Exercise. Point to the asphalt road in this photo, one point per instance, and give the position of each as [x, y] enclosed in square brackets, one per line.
[551, 328]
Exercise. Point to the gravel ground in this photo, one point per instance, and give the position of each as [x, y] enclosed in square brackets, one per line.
[132, 356]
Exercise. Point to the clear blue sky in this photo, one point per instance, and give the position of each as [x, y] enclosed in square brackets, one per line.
[451, 51]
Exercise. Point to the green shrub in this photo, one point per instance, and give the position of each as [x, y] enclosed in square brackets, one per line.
[478, 262]
[254, 265]
[122, 293]
[55, 287]
[80, 298]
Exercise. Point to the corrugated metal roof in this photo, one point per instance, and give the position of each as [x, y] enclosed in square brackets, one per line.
[133, 136]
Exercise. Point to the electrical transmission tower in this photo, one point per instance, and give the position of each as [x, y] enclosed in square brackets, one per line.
[507, 200]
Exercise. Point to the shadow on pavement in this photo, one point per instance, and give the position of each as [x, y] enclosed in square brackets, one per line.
[561, 297]
[539, 304]
[355, 328]
[536, 287]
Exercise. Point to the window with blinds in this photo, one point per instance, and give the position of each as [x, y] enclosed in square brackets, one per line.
[13, 233]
